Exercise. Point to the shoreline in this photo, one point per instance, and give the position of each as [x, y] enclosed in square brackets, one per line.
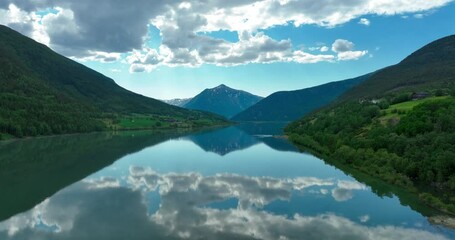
[189, 129]
[436, 216]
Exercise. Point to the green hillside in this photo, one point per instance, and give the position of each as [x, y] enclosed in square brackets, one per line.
[291, 105]
[431, 67]
[42, 92]
[381, 128]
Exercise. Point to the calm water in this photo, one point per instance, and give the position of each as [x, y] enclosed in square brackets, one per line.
[231, 183]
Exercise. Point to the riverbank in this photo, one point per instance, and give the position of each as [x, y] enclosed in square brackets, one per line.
[409, 144]
[139, 123]
[428, 204]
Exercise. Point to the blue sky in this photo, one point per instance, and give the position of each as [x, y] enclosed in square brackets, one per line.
[180, 48]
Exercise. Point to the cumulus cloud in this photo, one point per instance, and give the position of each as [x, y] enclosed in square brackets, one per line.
[84, 28]
[364, 218]
[344, 50]
[341, 45]
[351, 55]
[364, 21]
[303, 57]
[101, 57]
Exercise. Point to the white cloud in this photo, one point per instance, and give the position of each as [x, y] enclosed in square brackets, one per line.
[138, 68]
[364, 21]
[101, 57]
[303, 57]
[351, 55]
[341, 45]
[364, 218]
[344, 50]
[320, 48]
[75, 31]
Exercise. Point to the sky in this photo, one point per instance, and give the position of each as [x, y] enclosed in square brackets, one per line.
[175, 49]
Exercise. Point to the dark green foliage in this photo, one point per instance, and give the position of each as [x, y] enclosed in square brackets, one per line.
[44, 93]
[413, 146]
[223, 100]
[291, 105]
[404, 97]
[419, 149]
[439, 92]
[383, 104]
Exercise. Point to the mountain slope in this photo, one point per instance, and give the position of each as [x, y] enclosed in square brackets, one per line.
[223, 100]
[379, 129]
[431, 67]
[291, 105]
[42, 92]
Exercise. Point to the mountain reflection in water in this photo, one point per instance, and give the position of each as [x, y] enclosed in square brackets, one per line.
[172, 186]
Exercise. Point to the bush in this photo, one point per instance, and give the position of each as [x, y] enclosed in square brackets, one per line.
[404, 97]
[383, 104]
[439, 93]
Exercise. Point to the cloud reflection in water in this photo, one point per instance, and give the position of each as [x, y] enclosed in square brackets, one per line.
[106, 209]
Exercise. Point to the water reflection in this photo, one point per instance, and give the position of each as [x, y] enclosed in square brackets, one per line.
[148, 185]
[223, 141]
[34, 169]
[235, 138]
[109, 208]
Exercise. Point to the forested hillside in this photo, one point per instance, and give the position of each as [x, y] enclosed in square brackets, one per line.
[42, 92]
[385, 128]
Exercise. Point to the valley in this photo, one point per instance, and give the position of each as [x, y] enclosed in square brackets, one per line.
[259, 119]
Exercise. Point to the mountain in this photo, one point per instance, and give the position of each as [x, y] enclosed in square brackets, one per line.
[431, 67]
[42, 92]
[382, 129]
[291, 105]
[179, 102]
[223, 100]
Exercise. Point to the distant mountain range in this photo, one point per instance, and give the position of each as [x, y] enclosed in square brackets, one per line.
[42, 92]
[222, 100]
[292, 105]
[179, 102]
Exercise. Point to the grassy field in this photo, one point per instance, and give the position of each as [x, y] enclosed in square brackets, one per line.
[395, 111]
[139, 122]
[406, 106]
